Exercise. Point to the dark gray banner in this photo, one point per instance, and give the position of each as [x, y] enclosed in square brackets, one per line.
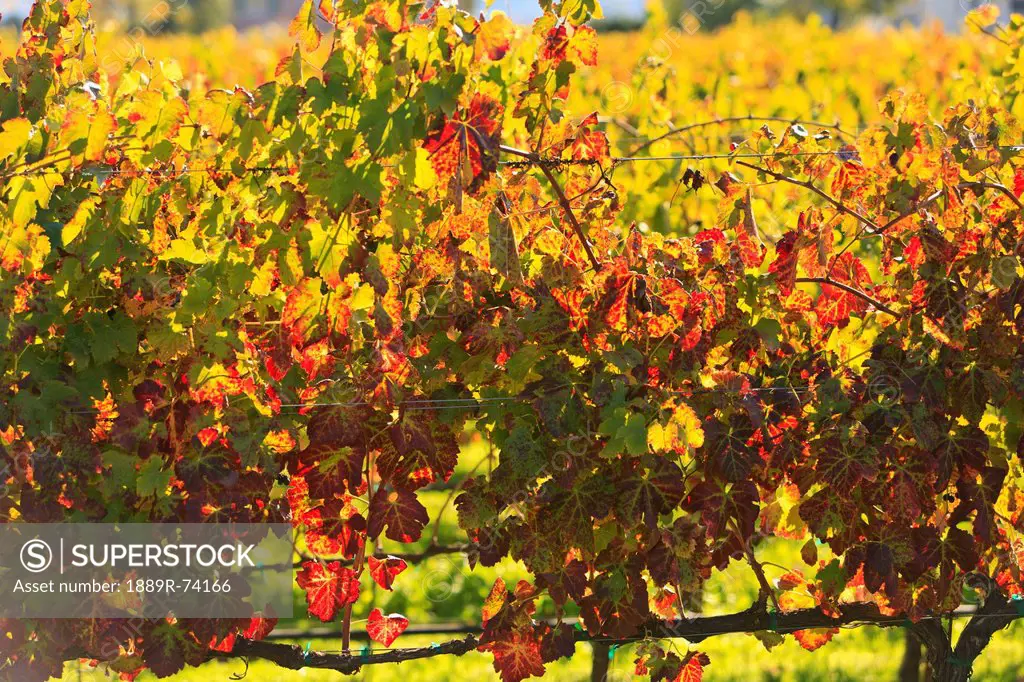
[138, 570]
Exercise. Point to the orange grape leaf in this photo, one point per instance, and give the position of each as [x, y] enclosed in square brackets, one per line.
[815, 638]
[492, 38]
[495, 600]
[693, 671]
[301, 309]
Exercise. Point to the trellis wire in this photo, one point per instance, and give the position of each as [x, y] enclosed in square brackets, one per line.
[474, 403]
[169, 174]
[847, 154]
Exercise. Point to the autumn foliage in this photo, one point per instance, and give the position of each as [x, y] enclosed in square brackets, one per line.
[260, 305]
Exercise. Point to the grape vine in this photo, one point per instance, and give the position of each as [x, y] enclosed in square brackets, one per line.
[287, 303]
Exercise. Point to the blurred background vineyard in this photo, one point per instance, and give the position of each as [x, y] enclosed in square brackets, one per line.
[620, 15]
[825, 63]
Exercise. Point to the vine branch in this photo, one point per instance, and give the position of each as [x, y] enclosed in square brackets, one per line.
[734, 119]
[562, 199]
[995, 615]
[806, 184]
[827, 281]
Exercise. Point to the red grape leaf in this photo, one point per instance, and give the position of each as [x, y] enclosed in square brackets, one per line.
[467, 144]
[259, 627]
[400, 511]
[385, 629]
[339, 426]
[845, 465]
[784, 265]
[328, 587]
[425, 451]
[558, 642]
[646, 492]
[165, 648]
[836, 305]
[517, 657]
[334, 528]
[618, 605]
[720, 503]
[384, 571]
[329, 469]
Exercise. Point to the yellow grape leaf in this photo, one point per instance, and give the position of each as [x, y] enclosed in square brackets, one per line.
[781, 517]
[85, 132]
[171, 70]
[74, 227]
[280, 441]
[682, 430]
[390, 261]
[495, 600]
[583, 46]
[156, 117]
[982, 17]
[26, 195]
[15, 135]
[328, 10]
[328, 248]
[216, 112]
[264, 279]
[424, 176]
[303, 27]
[492, 41]
[185, 250]
[363, 298]
[302, 310]
[19, 244]
[550, 242]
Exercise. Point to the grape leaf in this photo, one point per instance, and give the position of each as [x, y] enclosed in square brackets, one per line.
[400, 512]
[328, 587]
[384, 571]
[385, 629]
[466, 146]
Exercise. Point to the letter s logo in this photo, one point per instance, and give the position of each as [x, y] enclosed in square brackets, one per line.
[36, 556]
